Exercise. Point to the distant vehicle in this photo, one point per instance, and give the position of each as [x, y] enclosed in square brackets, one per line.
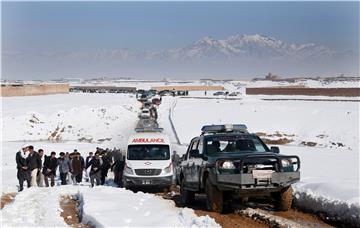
[234, 94]
[151, 93]
[148, 160]
[144, 114]
[142, 98]
[167, 93]
[219, 93]
[156, 100]
[227, 162]
[147, 104]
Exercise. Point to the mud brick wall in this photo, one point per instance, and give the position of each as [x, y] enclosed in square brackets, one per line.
[334, 92]
[31, 90]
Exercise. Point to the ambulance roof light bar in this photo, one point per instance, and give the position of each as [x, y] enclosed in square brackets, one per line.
[221, 128]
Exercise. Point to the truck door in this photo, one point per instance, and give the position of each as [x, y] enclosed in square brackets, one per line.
[193, 164]
[185, 165]
[198, 163]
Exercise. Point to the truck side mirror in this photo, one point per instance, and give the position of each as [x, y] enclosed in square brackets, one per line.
[275, 149]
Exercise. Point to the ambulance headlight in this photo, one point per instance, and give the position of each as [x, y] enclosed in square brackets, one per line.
[168, 169]
[128, 170]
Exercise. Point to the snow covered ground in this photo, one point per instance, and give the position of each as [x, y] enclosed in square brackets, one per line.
[72, 117]
[329, 173]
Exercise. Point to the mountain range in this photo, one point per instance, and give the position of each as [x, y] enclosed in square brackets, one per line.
[245, 55]
[234, 47]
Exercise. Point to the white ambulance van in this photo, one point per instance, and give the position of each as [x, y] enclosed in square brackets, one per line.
[148, 160]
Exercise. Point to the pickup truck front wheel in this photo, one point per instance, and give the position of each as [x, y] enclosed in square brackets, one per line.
[214, 197]
[186, 197]
[283, 199]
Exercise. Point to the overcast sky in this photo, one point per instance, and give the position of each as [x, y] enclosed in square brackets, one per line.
[31, 29]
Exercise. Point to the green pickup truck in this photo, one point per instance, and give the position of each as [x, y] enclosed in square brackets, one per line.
[226, 162]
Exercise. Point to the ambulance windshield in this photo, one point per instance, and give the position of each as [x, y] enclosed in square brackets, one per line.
[148, 152]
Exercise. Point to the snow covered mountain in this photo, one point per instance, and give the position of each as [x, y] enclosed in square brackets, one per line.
[245, 46]
[234, 47]
[234, 56]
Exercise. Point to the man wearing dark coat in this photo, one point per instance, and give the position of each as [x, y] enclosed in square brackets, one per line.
[87, 160]
[118, 168]
[106, 158]
[76, 167]
[95, 170]
[81, 158]
[34, 165]
[49, 169]
[22, 165]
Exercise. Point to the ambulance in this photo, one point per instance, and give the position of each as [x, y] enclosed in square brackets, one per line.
[148, 160]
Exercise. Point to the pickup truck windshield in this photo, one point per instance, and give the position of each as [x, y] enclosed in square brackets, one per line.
[234, 144]
[148, 152]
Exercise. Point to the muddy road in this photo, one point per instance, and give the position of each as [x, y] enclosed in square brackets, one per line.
[252, 214]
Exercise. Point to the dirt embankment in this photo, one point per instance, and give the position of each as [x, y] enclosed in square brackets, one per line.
[7, 198]
[70, 212]
[277, 138]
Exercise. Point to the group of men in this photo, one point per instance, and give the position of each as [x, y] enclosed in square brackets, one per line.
[36, 168]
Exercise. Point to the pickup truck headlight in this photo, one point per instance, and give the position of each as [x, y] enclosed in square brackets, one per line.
[228, 165]
[128, 170]
[285, 163]
[167, 169]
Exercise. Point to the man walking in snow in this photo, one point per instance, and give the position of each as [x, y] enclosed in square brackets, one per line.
[118, 168]
[87, 160]
[40, 176]
[76, 168]
[95, 171]
[81, 158]
[64, 167]
[34, 165]
[49, 169]
[22, 166]
[106, 158]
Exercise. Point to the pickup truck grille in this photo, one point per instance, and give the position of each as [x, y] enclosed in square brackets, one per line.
[147, 172]
[248, 167]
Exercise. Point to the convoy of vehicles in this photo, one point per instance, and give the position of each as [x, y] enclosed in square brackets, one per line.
[227, 162]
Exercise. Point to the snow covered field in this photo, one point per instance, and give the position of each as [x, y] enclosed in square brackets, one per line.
[329, 172]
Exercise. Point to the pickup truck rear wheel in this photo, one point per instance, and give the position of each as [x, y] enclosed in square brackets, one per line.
[214, 197]
[283, 199]
[186, 197]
